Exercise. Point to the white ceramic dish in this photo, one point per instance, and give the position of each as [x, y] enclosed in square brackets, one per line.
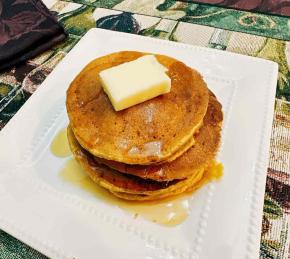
[63, 221]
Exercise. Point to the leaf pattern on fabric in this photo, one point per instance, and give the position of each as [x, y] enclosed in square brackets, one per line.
[278, 190]
[272, 210]
[124, 22]
[12, 28]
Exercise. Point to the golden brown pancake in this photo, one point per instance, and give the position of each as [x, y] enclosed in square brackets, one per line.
[119, 182]
[198, 156]
[209, 174]
[146, 133]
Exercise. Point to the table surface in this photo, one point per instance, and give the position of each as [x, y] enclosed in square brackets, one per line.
[247, 33]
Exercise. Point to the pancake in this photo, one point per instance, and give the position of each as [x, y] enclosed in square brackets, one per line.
[206, 145]
[150, 132]
[123, 183]
[207, 176]
[127, 168]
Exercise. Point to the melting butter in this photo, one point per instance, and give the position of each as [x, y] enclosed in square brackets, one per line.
[59, 146]
[140, 80]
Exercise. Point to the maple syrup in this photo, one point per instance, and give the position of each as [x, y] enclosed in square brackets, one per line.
[167, 212]
[59, 146]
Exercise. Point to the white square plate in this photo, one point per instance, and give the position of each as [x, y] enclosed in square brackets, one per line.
[63, 221]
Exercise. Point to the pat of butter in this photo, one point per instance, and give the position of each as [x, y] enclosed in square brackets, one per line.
[134, 82]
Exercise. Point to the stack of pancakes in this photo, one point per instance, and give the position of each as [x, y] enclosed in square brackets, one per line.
[158, 148]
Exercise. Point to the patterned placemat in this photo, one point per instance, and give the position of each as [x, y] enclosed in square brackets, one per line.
[181, 22]
[276, 7]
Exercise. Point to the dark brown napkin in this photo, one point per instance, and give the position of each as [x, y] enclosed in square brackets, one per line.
[276, 7]
[27, 28]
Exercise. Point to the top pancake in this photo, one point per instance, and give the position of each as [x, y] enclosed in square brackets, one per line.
[146, 133]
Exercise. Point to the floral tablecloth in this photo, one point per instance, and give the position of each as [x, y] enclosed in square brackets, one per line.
[242, 32]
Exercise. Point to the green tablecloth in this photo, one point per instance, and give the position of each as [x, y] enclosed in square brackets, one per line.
[241, 32]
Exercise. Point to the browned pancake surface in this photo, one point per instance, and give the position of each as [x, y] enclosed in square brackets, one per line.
[119, 182]
[199, 155]
[146, 133]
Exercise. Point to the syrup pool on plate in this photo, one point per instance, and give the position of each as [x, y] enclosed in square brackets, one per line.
[59, 146]
[168, 212]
